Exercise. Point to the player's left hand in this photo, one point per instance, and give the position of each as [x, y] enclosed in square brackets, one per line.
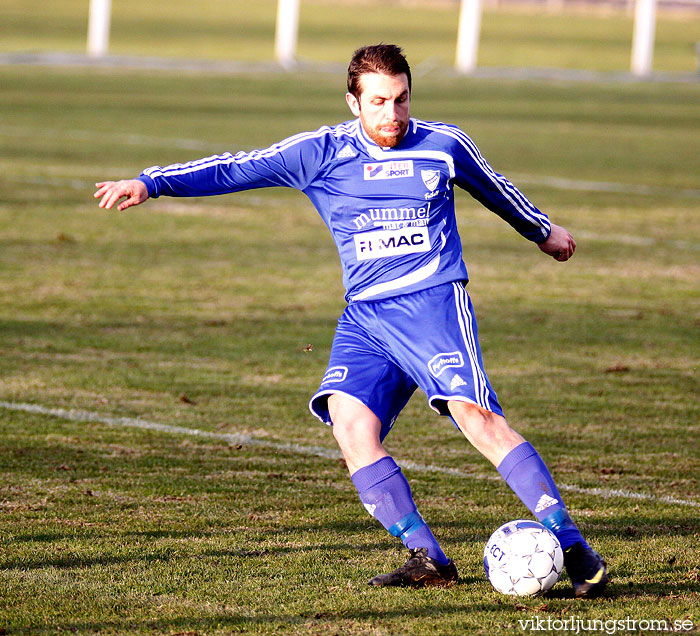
[560, 245]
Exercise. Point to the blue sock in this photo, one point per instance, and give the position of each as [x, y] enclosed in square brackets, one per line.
[530, 479]
[386, 495]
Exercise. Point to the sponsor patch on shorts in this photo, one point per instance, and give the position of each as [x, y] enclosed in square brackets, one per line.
[443, 361]
[335, 374]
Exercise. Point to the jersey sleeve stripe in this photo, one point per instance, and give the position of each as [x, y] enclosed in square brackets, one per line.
[243, 157]
[527, 209]
[507, 189]
[500, 181]
[227, 158]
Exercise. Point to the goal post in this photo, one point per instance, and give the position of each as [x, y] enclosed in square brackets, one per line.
[286, 32]
[468, 35]
[643, 39]
[98, 27]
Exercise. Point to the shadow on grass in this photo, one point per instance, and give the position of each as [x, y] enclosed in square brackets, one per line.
[469, 531]
[312, 621]
[320, 620]
[45, 537]
[78, 562]
[143, 556]
[628, 591]
[82, 562]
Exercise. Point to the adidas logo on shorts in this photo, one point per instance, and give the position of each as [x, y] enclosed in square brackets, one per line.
[457, 381]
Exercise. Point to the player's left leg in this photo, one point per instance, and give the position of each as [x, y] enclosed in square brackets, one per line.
[519, 464]
[436, 336]
[524, 471]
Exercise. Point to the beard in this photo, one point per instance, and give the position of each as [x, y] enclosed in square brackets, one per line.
[387, 140]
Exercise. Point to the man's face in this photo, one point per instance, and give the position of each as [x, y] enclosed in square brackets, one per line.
[383, 107]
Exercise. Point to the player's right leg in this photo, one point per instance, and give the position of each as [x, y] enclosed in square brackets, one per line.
[386, 494]
[361, 395]
[357, 430]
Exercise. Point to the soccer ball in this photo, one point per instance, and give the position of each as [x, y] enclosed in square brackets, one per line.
[523, 558]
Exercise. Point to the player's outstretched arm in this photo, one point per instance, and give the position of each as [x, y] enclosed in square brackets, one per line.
[560, 245]
[110, 192]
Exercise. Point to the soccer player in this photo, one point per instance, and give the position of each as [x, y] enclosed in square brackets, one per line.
[383, 184]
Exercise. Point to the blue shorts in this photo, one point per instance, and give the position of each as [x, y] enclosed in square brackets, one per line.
[383, 350]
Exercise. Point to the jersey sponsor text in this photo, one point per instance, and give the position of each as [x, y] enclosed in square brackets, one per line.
[388, 170]
[393, 218]
[382, 243]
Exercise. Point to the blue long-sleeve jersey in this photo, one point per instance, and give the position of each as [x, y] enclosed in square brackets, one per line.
[390, 210]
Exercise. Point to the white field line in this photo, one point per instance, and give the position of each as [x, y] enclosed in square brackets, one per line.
[562, 183]
[625, 239]
[76, 415]
[554, 183]
[132, 139]
[125, 139]
[212, 67]
[640, 241]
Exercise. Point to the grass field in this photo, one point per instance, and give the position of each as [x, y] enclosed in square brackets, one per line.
[200, 314]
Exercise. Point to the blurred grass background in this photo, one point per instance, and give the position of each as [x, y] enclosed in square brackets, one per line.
[244, 31]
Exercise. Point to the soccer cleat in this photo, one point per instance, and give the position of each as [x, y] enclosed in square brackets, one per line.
[587, 571]
[419, 571]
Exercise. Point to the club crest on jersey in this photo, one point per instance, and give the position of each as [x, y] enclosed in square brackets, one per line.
[431, 178]
[388, 170]
[443, 361]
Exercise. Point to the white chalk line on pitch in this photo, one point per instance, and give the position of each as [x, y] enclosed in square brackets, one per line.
[124, 139]
[134, 139]
[213, 67]
[555, 183]
[76, 415]
[628, 239]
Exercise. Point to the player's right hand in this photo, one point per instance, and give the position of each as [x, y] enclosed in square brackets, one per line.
[134, 190]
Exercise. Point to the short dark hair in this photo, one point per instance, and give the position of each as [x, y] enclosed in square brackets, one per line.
[387, 59]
